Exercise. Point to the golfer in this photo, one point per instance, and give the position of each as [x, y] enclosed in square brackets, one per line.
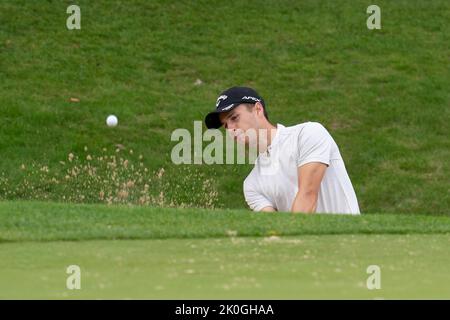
[298, 168]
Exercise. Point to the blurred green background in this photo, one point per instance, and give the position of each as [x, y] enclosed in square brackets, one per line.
[383, 94]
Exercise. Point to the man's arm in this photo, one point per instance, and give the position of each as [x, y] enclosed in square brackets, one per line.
[309, 178]
[255, 199]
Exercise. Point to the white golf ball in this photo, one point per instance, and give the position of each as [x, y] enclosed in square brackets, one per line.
[112, 121]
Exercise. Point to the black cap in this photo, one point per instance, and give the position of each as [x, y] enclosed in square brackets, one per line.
[228, 100]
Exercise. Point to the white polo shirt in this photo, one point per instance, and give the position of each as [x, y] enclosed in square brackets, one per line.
[274, 178]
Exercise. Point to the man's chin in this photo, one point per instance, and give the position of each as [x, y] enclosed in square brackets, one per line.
[244, 140]
[248, 143]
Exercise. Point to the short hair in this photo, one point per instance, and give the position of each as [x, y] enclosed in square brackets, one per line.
[249, 106]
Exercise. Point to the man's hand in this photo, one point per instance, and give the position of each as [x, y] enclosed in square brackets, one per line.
[309, 178]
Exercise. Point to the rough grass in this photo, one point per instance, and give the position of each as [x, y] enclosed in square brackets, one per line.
[382, 94]
[34, 221]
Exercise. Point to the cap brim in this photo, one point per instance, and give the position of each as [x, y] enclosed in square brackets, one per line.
[212, 120]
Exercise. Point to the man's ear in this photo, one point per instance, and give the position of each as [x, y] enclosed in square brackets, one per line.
[259, 108]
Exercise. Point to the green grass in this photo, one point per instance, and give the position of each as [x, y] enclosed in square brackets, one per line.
[34, 221]
[382, 94]
[300, 267]
[223, 254]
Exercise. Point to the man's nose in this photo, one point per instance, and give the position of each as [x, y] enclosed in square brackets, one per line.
[231, 126]
[231, 132]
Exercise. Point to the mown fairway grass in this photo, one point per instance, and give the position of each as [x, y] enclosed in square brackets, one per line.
[154, 253]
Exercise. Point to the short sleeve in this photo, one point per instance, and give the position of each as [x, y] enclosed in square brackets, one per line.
[255, 200]
[314, 144]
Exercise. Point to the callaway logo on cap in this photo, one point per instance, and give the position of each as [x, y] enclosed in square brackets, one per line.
[228, 100]
[223, 97]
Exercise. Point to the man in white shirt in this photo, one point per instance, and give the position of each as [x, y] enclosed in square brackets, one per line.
[298, 169]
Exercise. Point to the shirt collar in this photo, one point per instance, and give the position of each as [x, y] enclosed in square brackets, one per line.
[275, 139]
